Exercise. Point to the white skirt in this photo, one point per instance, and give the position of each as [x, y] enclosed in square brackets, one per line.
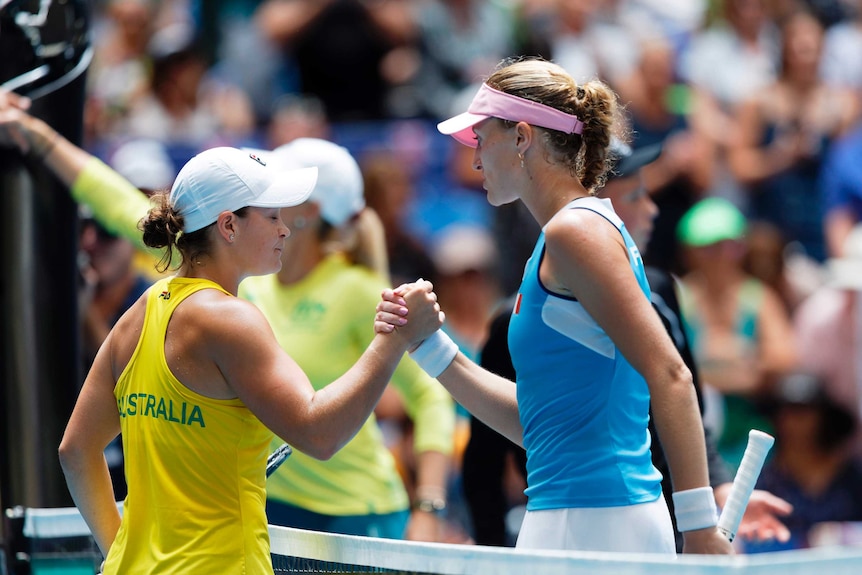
[642, 528]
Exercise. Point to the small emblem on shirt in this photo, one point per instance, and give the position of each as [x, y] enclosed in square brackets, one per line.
[517, 304]
[257, 159]
[165, 295]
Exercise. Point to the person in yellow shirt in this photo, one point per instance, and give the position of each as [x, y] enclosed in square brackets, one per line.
[196, 381]
[321, 300]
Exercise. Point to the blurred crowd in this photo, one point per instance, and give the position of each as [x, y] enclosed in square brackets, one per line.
[759, 185]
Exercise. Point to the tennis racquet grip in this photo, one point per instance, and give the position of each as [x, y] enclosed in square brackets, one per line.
[759, 444]
[277, 457]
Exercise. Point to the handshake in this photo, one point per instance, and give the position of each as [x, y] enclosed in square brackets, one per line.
[411, 311]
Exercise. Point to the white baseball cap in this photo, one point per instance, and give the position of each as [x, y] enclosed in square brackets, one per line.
[227, 179]
[340, 190]
[145, 163]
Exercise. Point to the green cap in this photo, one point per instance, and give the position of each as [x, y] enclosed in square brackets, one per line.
[709, 221]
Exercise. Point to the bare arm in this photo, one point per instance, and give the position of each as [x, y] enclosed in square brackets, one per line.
[115, 202]
[587, 258]
[432, 472]
[486, 395]
[749, 160]
[273, 386]
[280, 21]
[31, 135]
[775, 335]
[94, 423]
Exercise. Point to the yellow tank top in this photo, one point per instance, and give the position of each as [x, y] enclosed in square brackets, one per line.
[195, 466]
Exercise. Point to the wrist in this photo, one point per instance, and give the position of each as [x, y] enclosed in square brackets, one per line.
[694, 509]
[42, 138]
[435, 353]
[435, 506]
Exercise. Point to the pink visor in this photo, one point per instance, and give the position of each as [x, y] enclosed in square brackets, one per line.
[489, 103]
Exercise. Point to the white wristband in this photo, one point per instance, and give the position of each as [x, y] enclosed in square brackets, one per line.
[695, 509]
[435, 353]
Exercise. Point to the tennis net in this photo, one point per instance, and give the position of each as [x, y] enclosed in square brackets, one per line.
[298, 551]
[57, 541]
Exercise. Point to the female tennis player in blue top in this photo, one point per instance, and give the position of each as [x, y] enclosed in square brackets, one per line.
[588, 349]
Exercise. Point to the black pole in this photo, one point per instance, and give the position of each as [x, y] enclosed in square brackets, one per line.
[44, 57]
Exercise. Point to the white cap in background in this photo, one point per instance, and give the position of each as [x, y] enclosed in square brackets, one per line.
[340, 190]
[145, 163]
[227, 179]
[461, 248]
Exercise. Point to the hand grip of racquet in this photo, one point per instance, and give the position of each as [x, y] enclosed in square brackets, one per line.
[277, 457]
[759, 444]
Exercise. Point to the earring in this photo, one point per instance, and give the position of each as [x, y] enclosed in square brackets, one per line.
[521, 156]
[230, 237]
[299, 222]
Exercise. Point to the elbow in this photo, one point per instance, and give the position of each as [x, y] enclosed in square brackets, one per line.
[69, 455]
[322, 450]
[676, 379]
[325, 454]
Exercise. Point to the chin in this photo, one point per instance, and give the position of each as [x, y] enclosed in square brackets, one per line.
[497, 201]
[272, 269]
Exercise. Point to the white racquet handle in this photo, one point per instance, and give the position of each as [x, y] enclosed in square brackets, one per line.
[277, 457]
[759, 444]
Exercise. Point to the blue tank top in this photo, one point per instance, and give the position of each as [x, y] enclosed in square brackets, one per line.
[584, 409]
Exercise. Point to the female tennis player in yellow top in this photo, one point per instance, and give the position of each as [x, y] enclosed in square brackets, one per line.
[193, 377]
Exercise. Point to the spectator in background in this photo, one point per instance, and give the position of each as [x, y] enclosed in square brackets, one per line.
[315, 302]
[841, 47]
[147, 165]
[295, 116]
[389, 191]
[739, 329]
[349, 53]
[828, 327]
[460, 41]
[734, 58]
[184, 107]
[119, 74]
[465, 261]
[768, 258]
[585, 37]
[663, 111]
[810, 465]
[841, 184]
[725, 64]
[784, 132]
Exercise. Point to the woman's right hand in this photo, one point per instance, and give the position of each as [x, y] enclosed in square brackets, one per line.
[416, 301]
[13, 119]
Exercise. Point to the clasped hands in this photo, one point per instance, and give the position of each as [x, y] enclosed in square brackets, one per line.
[416, 301]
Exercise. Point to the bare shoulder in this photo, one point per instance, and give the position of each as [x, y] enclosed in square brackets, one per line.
[212, 316]
[211, 337]
[585, 253]
[581, 232]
